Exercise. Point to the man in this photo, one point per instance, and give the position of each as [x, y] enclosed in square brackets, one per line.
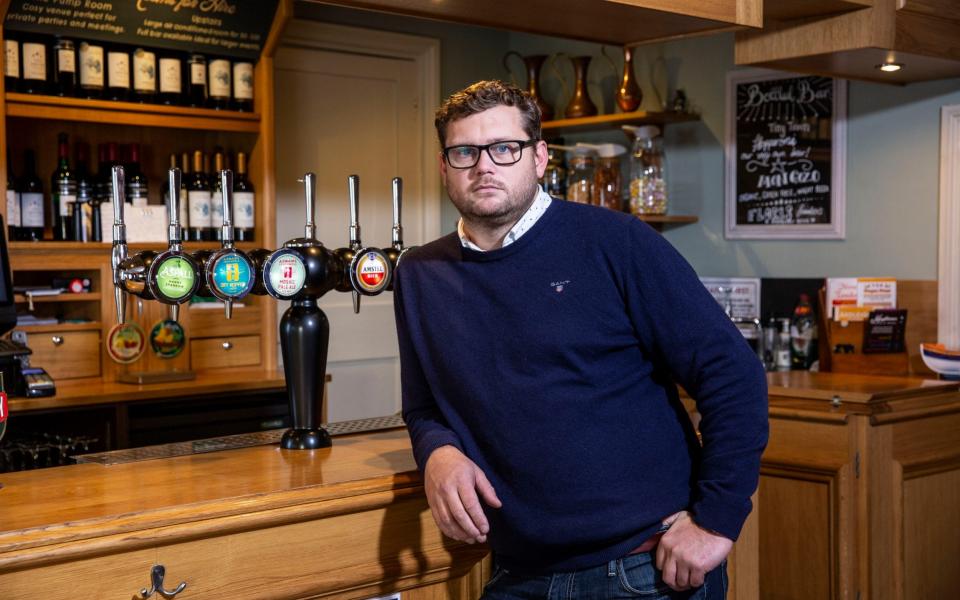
[541, 346]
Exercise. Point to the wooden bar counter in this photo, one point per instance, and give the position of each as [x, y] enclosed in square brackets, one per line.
[859, 488]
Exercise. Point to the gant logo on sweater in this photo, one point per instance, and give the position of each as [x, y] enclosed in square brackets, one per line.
[559, 285]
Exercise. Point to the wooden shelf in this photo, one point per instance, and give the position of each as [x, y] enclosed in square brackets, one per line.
[129, 113]
[89, 326]
[82, 297]
[614, 121]
[669, 219]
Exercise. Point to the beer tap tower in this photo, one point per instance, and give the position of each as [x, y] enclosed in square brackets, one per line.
[302, 271]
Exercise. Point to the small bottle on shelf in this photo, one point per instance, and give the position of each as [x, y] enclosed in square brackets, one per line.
[11, 63]
[170, 67]
[243, 86]
[198, 192]
[34, 60]
[137, 188]
[64, 67]
[118, 73]
[31, 200]
[83, 218]
[197, 81]
[244, 203]
[144, 75]
[63, 191]
[92, 70]
[218, 79]
[13, 203]
[803, 333]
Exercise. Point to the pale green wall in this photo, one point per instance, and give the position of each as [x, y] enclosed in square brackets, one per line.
[892, 148]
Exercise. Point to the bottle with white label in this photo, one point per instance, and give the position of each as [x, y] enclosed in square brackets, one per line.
[244, 203]
[31, 200]
[63, 192]
[118, 73]
[196, 80]
[34, 61]
[144, 75]
[198, 201]
[218, 82]
[11, 62]
[91, 63]
[170, 67]
[137, 186]
[13, 203]
[243, 86]
[64, 67]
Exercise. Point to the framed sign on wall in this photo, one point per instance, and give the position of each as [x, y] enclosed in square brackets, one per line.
[785, 156]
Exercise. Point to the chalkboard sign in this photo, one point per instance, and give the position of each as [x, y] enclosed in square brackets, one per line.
[785, 156]
[233, 28]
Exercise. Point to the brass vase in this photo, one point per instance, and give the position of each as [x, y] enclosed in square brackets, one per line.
[533, 63]
[629, 95]
[580, 104]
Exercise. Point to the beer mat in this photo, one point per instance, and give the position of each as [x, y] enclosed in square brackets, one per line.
[232, 442]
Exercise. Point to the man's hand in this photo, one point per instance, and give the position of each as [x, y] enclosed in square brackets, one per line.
[687, 552]
[451, 482]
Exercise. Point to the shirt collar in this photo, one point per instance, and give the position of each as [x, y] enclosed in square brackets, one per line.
[533, 214]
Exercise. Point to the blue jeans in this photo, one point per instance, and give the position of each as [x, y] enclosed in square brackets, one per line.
[633, 576]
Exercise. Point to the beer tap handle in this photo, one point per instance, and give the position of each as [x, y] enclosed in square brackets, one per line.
[119, 252]
[397, 237]
[226, 193]
[353, 187]
[174, 231]
[309, 182]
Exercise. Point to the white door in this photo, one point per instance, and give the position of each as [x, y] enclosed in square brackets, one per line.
[344, 109]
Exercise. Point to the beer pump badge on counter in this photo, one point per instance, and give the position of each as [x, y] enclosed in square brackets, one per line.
[286, 273]
[125, 342]
[167, 338]
[372, 272]
[175, 278]
[232, 276]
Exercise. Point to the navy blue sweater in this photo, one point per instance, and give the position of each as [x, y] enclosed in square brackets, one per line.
[552, 363]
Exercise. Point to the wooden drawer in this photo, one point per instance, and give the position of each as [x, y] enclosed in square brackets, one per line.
[220, 352]
[208, 321]
[66, 354]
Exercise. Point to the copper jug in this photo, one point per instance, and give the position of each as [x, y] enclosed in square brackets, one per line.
[533, 64]
[629, 95]
[580, 104]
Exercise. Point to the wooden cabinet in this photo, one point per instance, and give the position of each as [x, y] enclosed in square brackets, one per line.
[224, 352]
[33, 121]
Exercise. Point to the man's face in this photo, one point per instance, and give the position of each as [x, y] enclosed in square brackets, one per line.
[488, 192]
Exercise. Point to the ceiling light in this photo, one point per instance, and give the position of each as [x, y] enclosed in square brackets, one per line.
[890, 67]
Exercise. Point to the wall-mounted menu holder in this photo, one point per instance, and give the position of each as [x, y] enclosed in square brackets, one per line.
[841, 349]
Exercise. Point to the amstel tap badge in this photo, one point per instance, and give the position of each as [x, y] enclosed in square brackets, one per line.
[4, 409]
[372, 272]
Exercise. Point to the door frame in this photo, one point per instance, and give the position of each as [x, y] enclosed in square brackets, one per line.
[424, 53]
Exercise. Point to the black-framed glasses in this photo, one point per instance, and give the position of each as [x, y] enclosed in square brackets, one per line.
[503, 153]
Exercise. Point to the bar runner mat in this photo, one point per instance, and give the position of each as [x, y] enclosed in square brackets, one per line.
[230, 442]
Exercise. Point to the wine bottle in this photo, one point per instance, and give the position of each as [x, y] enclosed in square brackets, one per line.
[31, 200]
[102, 187]
[83, 221]
[64, 67]
[63, 191]
[171, 80]
[118, 73]
[244, 203]
[13, 203]
[11, 63]
[92, 71]
[137, 188]
[144, 75]
[243, 86]
[184, 204]
[218, 78]
[198, 199]
[197, 80]
[34, 57]
[216, 195]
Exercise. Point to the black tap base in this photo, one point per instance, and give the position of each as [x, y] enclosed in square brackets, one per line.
[305, 439]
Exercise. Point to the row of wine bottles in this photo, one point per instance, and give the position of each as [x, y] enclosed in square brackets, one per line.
[75, 194]
[36, 64]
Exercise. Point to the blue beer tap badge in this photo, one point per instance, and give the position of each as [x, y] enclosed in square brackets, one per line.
[232, 276]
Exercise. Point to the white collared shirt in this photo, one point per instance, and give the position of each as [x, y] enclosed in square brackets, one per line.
[533, 214]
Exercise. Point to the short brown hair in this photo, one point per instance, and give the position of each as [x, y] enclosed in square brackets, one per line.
[484, 95]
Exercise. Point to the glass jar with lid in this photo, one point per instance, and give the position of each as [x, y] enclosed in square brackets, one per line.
[580, 176]
[648, 186]
[554, 180]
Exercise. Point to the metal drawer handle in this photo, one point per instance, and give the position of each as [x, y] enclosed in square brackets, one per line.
[156, 584]
[227, 345]
[57, 340]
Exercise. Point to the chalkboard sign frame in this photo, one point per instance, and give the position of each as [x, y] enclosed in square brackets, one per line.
[736, 227]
